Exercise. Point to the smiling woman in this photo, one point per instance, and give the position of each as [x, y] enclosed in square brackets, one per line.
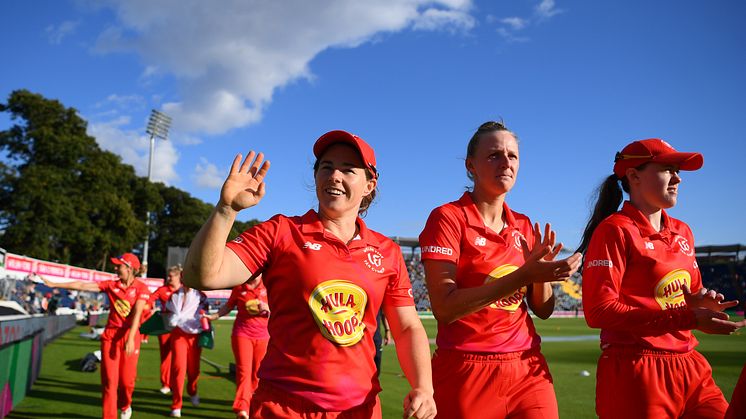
[327, 275]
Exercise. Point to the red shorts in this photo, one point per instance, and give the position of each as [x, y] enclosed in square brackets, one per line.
[270, 402]
[492, 386]
[640, 383]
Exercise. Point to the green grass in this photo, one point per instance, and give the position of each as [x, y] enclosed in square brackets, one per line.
[63, 391]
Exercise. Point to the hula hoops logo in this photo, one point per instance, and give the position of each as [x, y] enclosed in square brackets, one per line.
[338, 307]
[252, 306]
[669, 292]
[509, 302]
[123, 307]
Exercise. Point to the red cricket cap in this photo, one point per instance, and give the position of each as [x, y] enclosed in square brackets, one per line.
[344, 137]
[128, 259]
[657, 151]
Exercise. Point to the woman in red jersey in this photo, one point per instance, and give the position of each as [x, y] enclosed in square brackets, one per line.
[326, 275]
[638, 270]
[483, 263]
[118, 365]
[249, 338]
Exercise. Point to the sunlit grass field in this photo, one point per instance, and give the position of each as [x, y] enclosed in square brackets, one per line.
[63, 391]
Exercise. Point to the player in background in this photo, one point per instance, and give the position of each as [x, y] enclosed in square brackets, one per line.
[118, 362]
[642, 287]
[485, 265]
[249, 338]
[326, 275]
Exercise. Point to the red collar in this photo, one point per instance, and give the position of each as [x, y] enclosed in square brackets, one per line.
[474, 218]
[311, 223]
[643, 224]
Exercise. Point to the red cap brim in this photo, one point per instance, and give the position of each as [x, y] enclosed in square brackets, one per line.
[685, 161]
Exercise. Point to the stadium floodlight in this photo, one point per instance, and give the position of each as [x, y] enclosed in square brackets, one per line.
[158, 126]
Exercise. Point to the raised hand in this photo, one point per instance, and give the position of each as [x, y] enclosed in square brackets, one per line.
[707, 299]
[244, 186]
[540, 265]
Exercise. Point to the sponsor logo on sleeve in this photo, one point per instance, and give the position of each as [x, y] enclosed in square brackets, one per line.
[437, 249]
[373, 259]
[599, 262]
[123, 307]
[238, 239]
[512, 301]
[669, 291]
[338, 307]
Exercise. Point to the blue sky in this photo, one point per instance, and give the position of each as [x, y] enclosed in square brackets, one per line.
[575, 80]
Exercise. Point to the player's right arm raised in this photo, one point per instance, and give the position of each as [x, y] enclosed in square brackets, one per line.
[209, 263]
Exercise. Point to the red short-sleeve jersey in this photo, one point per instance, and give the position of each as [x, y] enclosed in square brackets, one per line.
[162, 294]
[455, 232]
[122, 300]
[250, 321]
[324, 296]
[633, 278]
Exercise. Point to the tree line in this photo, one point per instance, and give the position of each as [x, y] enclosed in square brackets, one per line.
[64, 199]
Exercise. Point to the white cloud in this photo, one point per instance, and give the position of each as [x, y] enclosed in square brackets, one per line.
[123, 102]
[134, 148]
[228, 60]
[516, 23]
[208, 175]
[55, 33]
[509, 27]
[546, 9]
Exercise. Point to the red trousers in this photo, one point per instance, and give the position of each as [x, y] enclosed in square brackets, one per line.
[272, 403]
[118, 371]
[640, 383]
[185, 355]
[164, 342]
[249, 354]
[493, 386]
[737, 408]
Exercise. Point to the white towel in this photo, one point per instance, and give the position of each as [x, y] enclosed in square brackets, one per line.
[184, 310]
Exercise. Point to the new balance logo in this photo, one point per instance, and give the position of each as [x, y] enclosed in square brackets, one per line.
[312, 246]
[649, 246]
[480, 241]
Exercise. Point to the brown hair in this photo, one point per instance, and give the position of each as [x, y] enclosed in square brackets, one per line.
[485, 128]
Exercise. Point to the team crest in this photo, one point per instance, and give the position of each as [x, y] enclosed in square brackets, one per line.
[669, 292]
[373, 260]
[338, 307]
[517, 238]
[684, 245]
[509, 302]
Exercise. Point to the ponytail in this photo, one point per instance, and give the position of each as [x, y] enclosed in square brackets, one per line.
[609, 197]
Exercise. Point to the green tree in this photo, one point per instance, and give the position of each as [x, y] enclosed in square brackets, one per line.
[63, 198]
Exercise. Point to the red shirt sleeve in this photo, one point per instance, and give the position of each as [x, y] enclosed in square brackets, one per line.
[104, 286]
[234, 297]
[441, 238]
[254, 246]
[143, 291]
[605, 263]
[154, 297]
[399, 289]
